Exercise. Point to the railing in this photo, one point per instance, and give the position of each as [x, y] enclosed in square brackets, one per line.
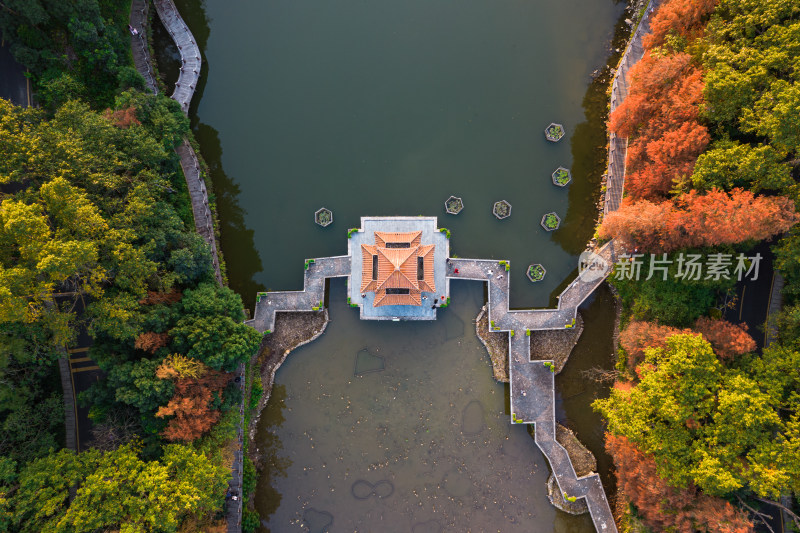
[618, 147]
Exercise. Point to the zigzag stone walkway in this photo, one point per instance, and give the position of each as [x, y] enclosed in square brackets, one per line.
[532, 382]
[311, 296]
[499, 287]
[532, 401]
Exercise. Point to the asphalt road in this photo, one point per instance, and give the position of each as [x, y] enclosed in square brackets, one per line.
[14, 85]
[753, 296]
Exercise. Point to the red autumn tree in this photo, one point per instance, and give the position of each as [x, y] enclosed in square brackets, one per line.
[663, 507]
[151, 342]
[660, 118]
[728, 340]
[155, 297]
[639, 335]
[638, 224]
[696, 220]
[190, 406]
[122, 118]
[678, 17]
[721, 218]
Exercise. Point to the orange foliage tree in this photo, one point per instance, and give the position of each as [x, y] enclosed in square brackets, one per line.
[684, 18]
[728, 340]
[640, 334]
[190, 406]
[122, 118]
[696, 220]
[660, 115]
[663, 507]
[660, 118]
[156, 297]
[150, 341]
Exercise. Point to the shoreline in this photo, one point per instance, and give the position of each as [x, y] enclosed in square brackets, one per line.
[269, 361]
[275, 349]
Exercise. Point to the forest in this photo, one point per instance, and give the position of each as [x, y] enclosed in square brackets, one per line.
[704, 427]
[97, 236]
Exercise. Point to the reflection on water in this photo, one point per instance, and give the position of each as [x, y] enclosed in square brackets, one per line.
[423, 445]
[387, 108]
[242, 260]
[588, 144]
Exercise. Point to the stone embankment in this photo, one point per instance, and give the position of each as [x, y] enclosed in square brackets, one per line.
[292, 330]
[496, 345]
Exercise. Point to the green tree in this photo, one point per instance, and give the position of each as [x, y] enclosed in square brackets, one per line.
[730, 164]
[709, 425]
[41, 500]
[217, 341]
[209, 300]
[117, 490]
[675, 301]
[135, 383]
[135, 495]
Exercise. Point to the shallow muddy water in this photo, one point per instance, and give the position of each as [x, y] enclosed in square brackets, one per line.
[399, 428]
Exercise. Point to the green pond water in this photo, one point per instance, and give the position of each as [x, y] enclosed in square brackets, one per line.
[388, 108]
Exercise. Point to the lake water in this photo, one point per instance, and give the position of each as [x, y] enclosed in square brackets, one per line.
[400, 428]
[388, 108]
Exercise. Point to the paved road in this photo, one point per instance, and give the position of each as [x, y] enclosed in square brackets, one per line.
[14, 85]
[753, 297]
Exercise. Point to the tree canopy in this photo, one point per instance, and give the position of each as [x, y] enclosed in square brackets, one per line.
[716, 427]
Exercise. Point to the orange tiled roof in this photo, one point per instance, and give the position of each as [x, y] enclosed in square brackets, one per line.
[397, 268]
[413, 237]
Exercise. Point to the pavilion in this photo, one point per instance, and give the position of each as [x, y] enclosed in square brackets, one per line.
[397, 266]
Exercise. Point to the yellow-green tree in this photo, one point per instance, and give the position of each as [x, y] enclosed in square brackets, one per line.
[718, 428]
[117, 490]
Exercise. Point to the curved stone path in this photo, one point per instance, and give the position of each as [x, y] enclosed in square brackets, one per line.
[191, 61]
[139, 47]
[203, 221]
[184, 90]
[618, 146]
